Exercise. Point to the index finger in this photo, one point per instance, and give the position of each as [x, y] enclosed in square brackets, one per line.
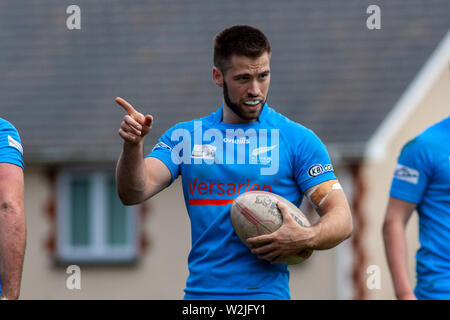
[125, 105]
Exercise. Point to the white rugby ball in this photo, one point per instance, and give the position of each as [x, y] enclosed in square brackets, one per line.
[255, 213]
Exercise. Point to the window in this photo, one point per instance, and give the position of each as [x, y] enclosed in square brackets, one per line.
[92, 224]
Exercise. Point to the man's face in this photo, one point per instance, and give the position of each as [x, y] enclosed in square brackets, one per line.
[246, 85]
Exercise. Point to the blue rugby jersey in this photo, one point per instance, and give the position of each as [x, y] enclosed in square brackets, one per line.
[217, 162]
[10, 147]
[422, 177]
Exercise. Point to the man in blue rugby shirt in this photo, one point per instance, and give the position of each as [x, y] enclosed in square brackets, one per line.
[243, 146]
[421, 182]
[12, 216]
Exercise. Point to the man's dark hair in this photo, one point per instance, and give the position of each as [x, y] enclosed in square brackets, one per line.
[240, 40]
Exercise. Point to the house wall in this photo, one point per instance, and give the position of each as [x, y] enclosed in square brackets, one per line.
[161, 272]
[433, 107]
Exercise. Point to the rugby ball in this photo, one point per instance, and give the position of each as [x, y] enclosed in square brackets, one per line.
[255, 213]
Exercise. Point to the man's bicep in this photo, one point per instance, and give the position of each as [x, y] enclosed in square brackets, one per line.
[326, 196]
[11, 185]
[158, 175]
[399, 210]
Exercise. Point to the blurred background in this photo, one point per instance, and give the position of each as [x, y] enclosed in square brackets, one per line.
[365, 92]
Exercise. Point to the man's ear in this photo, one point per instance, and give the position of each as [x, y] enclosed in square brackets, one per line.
[217, 76]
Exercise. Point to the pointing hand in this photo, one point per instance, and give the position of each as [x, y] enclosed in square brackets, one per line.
[134, 125]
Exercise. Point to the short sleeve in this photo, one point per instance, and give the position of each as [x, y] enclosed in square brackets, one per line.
[164, 150]
[11, 150]
[312, 164]
[412, 172]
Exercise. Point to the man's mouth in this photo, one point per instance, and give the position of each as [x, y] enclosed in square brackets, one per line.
[252, 103]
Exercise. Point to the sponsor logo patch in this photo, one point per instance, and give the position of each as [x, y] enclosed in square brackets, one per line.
[315, 170]
[15, 144]
[406, 174]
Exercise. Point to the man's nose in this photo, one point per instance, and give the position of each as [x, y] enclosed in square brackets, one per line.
[253, 89]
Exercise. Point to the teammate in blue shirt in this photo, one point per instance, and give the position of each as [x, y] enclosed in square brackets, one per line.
[243, 146]
[421, 182]
[12, 216]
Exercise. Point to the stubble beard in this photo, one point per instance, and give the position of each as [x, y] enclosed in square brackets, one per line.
[235, 108]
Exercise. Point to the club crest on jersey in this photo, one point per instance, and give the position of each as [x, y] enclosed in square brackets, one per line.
[203, 151]
[407, 174]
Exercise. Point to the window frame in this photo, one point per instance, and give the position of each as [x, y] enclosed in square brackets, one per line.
[98, 251]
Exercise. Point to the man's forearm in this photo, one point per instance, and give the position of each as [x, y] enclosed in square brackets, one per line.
[332, 229]
[131, 174]
[396, 253]
[12, 248]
